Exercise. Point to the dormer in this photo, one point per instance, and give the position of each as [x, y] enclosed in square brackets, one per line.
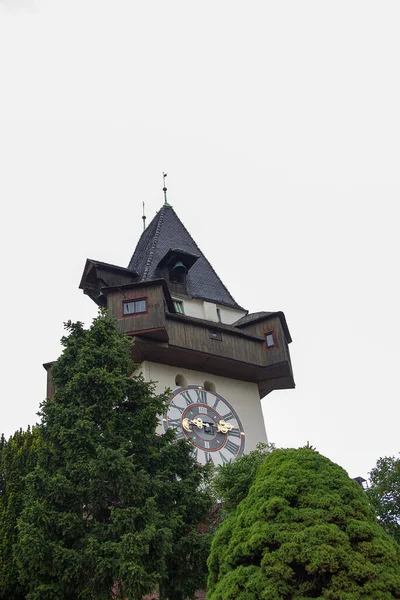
[174, 268]
[97, 276]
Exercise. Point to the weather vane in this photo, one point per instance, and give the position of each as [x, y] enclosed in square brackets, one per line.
[164, 188]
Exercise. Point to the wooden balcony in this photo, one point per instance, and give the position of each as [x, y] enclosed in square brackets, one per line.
[163, 336]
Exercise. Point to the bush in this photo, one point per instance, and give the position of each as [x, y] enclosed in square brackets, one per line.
[305, 530]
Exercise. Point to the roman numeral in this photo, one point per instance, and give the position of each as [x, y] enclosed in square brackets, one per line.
[179, 435]
[174, 422]
[217, 401]
[187, 397]
[228, 416]
[177, 407]
[232, 447]
[201, 396]
[223, 458]
[234, 433]
[208, 456]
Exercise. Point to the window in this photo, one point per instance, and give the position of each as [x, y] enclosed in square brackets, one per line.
[134, 307]
[178, 305]
[270, 340]
[219, 315]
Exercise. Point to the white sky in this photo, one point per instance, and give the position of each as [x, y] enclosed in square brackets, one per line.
[278, 124]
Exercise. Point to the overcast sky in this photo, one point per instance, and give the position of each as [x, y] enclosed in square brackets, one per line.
[278, 124]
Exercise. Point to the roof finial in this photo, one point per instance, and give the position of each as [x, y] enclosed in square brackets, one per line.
[144, 218]
[164, 188]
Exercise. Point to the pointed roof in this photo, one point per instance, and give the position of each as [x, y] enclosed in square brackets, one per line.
[166, 232]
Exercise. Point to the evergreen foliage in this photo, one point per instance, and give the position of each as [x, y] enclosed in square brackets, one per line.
[232, 480]
[384, 494]
[112, 508]
[17, 459]
[305, 530]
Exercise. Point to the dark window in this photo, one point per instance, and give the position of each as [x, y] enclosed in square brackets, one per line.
[135, 307]
[219, 315]
[270, 340]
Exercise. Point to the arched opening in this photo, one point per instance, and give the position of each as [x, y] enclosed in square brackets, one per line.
[209, 386]
[180, 381]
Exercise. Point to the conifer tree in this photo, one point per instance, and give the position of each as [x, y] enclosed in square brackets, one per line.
[305, 530]
[111, 504]
[17, 459]
[232, 481]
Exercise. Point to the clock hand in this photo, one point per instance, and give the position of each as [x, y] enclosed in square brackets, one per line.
[198, 422]
[224, 427]
[186, 424]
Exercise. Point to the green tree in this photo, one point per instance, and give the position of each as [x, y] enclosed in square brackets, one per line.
[305, 530]
[111, 506]
[232, 481]
[384, 494]
[17, 459]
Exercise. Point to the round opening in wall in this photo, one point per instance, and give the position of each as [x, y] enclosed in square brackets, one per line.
[209, 386]
[180, 381]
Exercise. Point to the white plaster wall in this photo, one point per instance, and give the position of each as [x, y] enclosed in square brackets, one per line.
[242, 395]
[208, 310]
[230, 315]
[192, 307]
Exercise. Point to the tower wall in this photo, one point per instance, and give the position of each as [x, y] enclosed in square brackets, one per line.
[242, 395]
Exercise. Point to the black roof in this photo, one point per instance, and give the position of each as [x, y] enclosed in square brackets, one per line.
[99, 263]
[251, 317]
[166, 232]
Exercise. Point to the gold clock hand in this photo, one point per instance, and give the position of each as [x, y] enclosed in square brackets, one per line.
[224, 427]
[186, 424]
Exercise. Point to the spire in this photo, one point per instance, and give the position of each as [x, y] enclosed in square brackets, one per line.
[165, 189]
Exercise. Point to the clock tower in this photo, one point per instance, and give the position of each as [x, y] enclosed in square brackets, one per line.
[191, 337]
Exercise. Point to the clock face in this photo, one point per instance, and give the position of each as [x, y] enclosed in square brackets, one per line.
[209, 421]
